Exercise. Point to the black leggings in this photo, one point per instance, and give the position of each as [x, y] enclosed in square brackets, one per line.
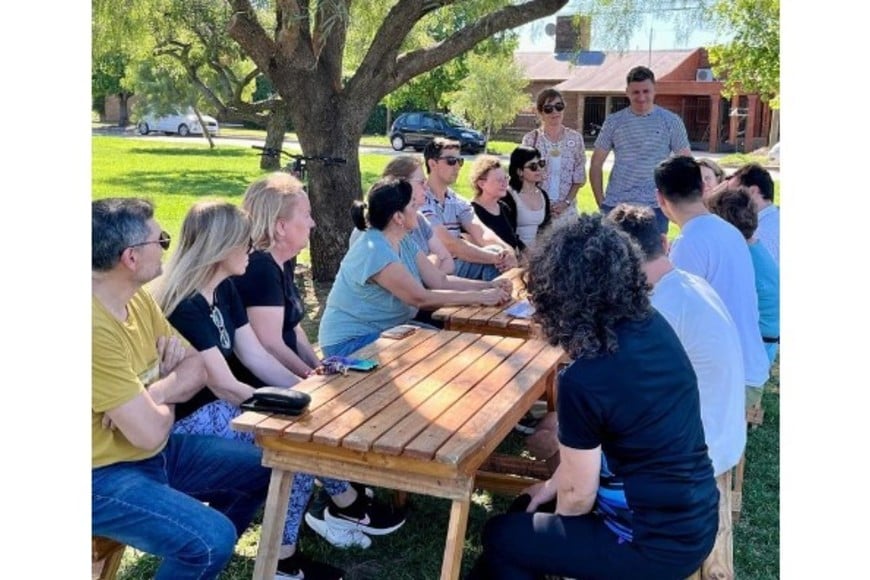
[520, 546]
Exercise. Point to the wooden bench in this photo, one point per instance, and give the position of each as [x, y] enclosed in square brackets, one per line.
[719, 565]
[106, 558]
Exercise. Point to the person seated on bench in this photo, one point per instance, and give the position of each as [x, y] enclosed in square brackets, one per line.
[735, 207]
[281, 222]
[200, 300]
[410, 168]
[184, 499]
[479, 254]
[634, 494]
[384, 277]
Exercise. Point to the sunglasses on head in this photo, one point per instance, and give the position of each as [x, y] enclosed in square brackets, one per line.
[535, 165]
[451, 161]
[164, 241]
[550, 108]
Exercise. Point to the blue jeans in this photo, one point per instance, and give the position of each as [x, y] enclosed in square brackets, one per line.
[661, 219]
[473, 271]
[215, 419]
[350, 345]
[156, 505]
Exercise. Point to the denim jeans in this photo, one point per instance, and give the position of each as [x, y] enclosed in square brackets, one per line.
[156, 505]
[661, 219]
[215, 419]
[350, 345]
[473, 271]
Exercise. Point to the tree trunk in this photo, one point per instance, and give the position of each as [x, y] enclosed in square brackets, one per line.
[123, 109]
[276, 128]
[204, 127]
[333, 189]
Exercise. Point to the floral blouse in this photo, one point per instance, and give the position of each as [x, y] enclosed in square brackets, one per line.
[566, 160]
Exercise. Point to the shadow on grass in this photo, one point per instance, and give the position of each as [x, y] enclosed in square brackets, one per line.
[230, 153]
[198, 183]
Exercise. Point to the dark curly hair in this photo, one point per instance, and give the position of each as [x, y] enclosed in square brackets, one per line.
[584, 277]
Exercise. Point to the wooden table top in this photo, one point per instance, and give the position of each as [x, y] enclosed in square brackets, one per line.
[438, 396]
[490, 319]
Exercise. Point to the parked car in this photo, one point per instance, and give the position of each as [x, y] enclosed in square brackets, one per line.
[182, 123]
[418, 128]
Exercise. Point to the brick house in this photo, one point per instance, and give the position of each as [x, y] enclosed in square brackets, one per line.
[593, 86]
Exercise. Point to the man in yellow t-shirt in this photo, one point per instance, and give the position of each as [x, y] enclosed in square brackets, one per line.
[148, 487]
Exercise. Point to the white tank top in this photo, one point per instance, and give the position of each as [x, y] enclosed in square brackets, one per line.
[528, 220]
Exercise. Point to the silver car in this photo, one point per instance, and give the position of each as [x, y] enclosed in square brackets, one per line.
[183, 124]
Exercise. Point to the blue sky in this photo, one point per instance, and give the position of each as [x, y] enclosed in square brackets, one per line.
[533, 38]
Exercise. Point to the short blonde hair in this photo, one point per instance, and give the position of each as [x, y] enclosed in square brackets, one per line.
[266, 200]
[402, 166]
[481, 168]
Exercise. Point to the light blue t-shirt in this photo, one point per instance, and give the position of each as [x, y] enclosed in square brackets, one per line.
[767, 287]
[713, 249]
[356, 305]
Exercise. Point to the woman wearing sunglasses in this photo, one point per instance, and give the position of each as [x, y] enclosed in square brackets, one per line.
[199, 299]
[562, 150]
[384, 277]
[526, 200]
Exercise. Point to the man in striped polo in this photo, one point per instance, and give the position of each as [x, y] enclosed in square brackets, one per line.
[640, 136]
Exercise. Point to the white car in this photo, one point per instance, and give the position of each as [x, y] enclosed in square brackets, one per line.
[183, 124]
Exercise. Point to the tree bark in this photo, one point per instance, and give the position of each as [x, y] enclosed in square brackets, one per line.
[123, 109]
[276, 128]
[303, 62]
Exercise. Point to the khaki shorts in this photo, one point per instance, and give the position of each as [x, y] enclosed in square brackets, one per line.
[753, 397]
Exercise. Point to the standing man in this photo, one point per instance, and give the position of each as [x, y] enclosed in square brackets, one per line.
[757, 180]
[149, 487]
[713, 249]
[640, 136]
[484, 255]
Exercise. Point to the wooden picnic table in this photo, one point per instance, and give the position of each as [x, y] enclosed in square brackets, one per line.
[423, 422]
[490, 319]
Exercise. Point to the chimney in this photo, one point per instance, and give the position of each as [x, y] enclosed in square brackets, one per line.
[571, 37]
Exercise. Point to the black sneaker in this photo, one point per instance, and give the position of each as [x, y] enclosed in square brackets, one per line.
[366, 515]
[299, 567]
[527, 424]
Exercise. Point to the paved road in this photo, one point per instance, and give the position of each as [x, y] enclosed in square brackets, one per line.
[292, 144]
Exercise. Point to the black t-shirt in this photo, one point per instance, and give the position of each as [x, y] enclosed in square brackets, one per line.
[504, 224]
[193, 318]
[641, 405]
[265, 283]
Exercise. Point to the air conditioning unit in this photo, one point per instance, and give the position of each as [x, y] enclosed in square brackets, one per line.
[704, 75]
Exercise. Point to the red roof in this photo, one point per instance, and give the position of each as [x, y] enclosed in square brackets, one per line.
[600, 72]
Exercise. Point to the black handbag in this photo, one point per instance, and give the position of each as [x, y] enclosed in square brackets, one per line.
[277, 400]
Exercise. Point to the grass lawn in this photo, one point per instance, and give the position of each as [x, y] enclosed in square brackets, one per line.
[176, 175]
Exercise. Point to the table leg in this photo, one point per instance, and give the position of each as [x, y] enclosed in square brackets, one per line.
[451, 565]
[274, 516]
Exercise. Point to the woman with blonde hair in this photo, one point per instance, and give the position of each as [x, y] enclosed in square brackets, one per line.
[490, 183]
[199, 299]
[711, 175]
[281, 223]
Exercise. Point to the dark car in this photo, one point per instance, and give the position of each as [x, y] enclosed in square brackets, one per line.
[418, 128]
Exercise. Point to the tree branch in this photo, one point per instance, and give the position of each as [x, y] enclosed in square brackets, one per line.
[380, 60]
[413, 63]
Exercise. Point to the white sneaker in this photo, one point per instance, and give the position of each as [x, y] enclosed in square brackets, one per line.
[340, 537]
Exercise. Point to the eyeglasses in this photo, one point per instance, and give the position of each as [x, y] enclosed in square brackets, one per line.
[451, 161]
[550, 108]
[535, 165]
[163, 240]
[218, 320]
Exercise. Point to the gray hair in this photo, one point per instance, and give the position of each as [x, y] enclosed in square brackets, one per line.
[117, 223]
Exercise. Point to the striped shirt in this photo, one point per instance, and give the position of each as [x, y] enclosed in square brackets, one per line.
[453, 214]
[639, 143]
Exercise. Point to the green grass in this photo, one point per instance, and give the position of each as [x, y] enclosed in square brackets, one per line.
[176, 175]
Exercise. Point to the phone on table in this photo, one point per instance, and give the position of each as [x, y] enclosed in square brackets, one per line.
[400, 331]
